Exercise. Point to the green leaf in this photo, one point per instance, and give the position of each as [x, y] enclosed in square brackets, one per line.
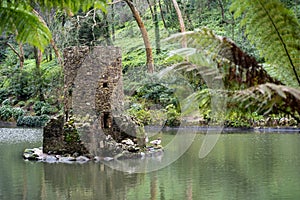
[275, 31]
[26, 25]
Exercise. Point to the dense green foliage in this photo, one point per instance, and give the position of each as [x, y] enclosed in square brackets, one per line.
[33, 121]
[243, 45]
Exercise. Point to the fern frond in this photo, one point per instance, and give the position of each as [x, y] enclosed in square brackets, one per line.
[199, 99]
[275, 31]
[204, 45]
[28, 27]
[270, 97]
[71, 6]
[17, 17]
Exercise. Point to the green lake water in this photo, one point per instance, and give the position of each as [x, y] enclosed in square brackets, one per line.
[240, 166]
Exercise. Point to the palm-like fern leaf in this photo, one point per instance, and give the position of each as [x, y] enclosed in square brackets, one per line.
[17, 17]
[276, 33]
[72, 6]
[69, 5]
[243, 68]
[265, 95]
[26, 25]
[270, 97]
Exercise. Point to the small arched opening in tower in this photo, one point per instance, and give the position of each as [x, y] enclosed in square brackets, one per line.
[105, 85]
[105, 120]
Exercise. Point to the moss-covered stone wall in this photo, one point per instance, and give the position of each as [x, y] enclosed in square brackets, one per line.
[93, 99]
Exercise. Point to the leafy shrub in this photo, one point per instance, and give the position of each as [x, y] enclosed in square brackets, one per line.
[21, 85]
[37, 107]
[157, 93]
[5, 112]
[138, 112]
[158, 117]
[237, 120]
[33, 121]
[4, 93]
[173, 116]
[17, 112]
[6, 102]
[41, 108]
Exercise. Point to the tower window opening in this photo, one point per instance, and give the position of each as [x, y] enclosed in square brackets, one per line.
[106, 120]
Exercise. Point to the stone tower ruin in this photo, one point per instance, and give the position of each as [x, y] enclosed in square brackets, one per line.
[93, 100]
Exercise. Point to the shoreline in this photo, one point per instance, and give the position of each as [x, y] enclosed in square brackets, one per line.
[226, 129]
[193, 127]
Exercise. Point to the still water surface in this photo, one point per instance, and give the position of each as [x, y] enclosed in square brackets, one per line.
[241, 166]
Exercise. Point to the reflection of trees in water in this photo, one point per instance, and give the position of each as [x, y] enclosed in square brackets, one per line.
[231, 170]
[252, 166]
[88, 181]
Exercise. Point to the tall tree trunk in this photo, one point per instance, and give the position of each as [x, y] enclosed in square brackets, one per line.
[150, 63]
[22, 57]
[19, 54]
[151, 10]
[38, 60]
[162, 15]
[156, 26]
[56, 51]
[181, 22]
[52, 42]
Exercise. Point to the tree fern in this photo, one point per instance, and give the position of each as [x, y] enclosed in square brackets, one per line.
[234, 63]
[266, 94]
[26, 25]
[269, 97]
[69, 5]
[275, 32]
[17, 18]
[72, 6]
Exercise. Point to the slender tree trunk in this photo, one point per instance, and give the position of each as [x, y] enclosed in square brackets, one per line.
[19, 54]
[156, 26]
[38, 60]
[181, 23]
[22, 57]
[168, 6]
[52, 42]
[56, 51]
[151, 10]
[150, 63]
[162, 15]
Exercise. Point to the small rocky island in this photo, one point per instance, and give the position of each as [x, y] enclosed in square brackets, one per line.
[93, 125]
[127, 149]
